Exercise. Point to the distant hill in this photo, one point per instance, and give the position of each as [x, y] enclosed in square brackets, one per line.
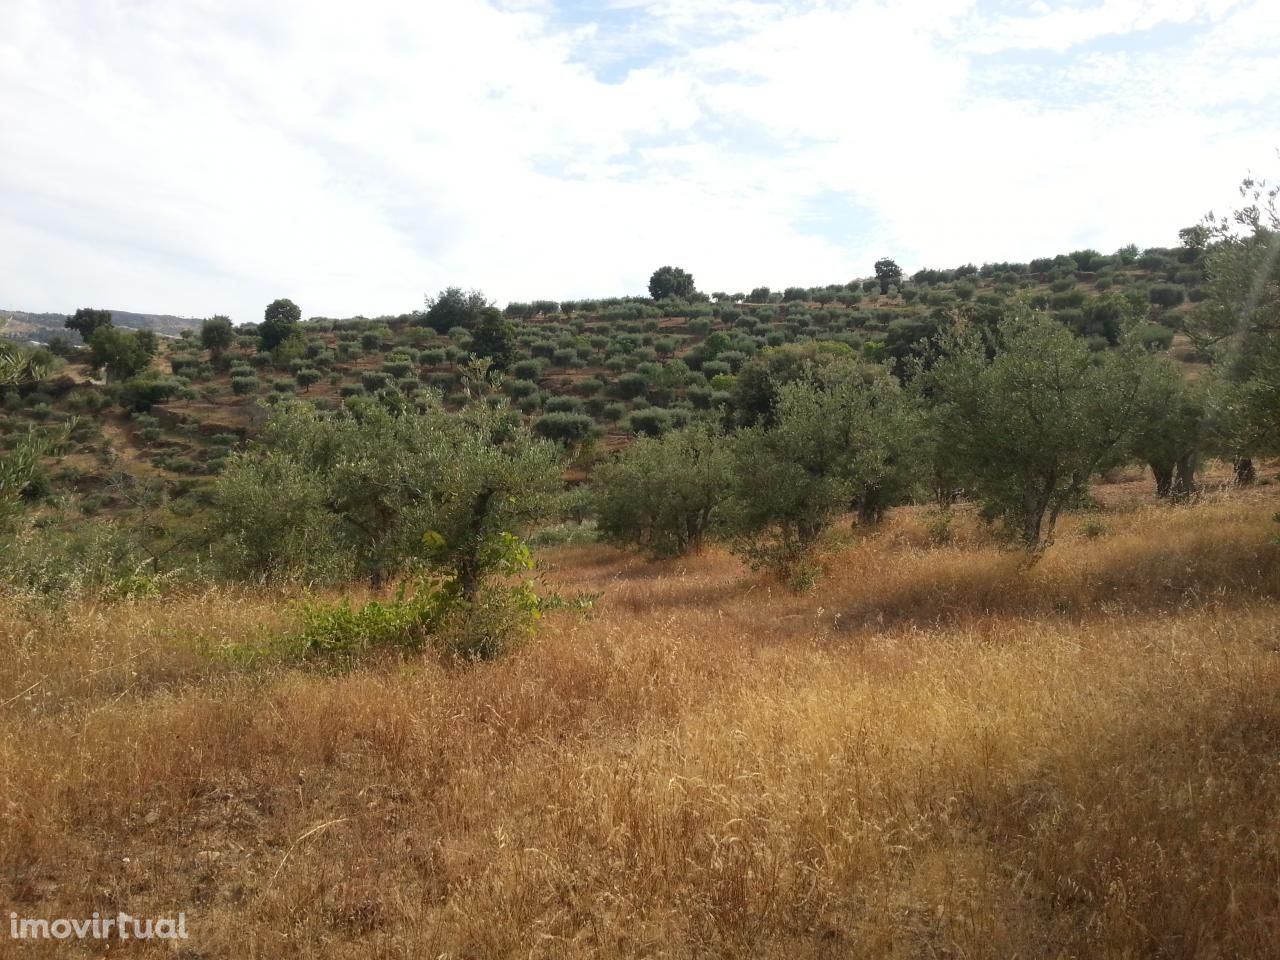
[40, 327]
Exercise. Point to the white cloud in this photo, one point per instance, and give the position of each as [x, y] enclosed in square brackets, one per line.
[202, 158]
[1071, 24]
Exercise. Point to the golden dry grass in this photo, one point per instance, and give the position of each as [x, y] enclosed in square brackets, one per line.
[940, 752]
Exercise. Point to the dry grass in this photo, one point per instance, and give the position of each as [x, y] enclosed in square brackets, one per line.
[939, 753]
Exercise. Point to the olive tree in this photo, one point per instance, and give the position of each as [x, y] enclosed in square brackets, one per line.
[495, 339]
[1245, 413]
[1243, 289]
[307, 377]
[454, 307]
[1237, 325]
[756, 389]
[86, 321]
[121, 353]
[1027, 427]
[1172, 429]
[664, 494]
[372, 491]
[279, 323]
[888, 274]
[564, 426]
[841, 440]
[216, 335]
[669, 282]
[1259, 402]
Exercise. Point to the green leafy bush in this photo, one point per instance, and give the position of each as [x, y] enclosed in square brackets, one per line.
[650, 422]
[374, 380]
[563, 405]
[630, 385]
[406, 622]
[526, 369]
[664, 495]
[564, 427]
[243, 386]
[307, 377]
[1166, 295]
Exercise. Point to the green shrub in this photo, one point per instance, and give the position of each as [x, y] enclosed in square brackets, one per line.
[1153, 336]
[426, 611]
[526, 369]
[652, 422]
[373, 381]
[518, 389]
[406, 621]
[243, 386]
[142, 393]
[90, 560]
[664, 495]
[630, 385]
[734, 358]
[1166, 295]
[563, 405]
[841, 437]
[307, 377]
[714, 368]
[564, 427]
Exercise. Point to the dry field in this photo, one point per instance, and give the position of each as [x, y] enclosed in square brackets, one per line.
[939, 752]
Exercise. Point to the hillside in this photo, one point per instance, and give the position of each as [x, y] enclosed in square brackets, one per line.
[590, 373]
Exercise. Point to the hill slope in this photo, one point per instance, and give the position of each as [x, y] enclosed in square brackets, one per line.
[599, 371]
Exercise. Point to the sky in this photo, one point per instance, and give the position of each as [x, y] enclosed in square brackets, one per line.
[208, 156]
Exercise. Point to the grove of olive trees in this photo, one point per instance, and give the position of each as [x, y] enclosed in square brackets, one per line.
[759, 420]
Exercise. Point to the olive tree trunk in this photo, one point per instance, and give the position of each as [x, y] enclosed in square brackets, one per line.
[1163, 472]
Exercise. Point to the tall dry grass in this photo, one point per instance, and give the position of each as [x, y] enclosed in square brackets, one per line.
[940, 752]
